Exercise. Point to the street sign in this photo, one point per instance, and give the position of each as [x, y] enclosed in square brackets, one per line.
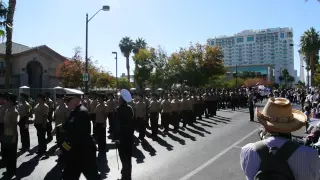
[85, 77]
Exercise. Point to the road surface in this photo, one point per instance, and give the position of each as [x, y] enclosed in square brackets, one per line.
[207, 151]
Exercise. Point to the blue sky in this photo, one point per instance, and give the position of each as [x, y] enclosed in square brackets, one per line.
[60, 24]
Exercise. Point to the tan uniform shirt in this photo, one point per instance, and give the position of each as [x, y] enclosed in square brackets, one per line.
[175, 105]
[101, 113]
[41, 112]
[61, 114]
[185, 104]
[11, 122]
[154, 106]
[93, 106]
[141, 108]
[166, 106]
[24, 109]
[111, 106]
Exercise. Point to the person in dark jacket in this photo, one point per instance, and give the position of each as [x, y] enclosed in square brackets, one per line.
[78, 146]
[124, 133]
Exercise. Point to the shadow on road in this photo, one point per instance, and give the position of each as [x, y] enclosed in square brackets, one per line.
[54, 174]
[195, 131]
[187, 135]
[147, 147]
[26, 168]
[206, 121]
[175, 138]
[222, 118]
[138, 154]
[164, 143]
[203, 124]
[200, 129]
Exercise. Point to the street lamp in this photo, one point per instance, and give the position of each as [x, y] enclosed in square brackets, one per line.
[116, 68]
[104, 8]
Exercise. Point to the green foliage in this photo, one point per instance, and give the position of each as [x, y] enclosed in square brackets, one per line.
[71, 71]
[235, 82]
[286, 78]
[144, 67]
[310, 46]
[124, 83]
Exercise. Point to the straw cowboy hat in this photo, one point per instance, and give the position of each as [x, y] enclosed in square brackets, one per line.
[278, 116]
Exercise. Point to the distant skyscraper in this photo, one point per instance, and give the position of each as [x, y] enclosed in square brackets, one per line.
[273, 47]
[302, 67]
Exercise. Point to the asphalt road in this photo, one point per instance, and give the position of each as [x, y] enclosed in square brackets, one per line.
[207, 151]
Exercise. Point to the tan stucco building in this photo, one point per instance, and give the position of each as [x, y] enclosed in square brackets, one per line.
[31, 66]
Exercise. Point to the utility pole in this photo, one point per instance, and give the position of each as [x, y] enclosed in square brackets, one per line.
[116, 68]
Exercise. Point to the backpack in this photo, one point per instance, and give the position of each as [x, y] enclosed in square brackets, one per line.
[275, 166]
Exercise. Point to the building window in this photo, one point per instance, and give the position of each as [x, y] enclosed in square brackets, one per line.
[250, 38]
[211, 43]
[282, 35]
[239, 40]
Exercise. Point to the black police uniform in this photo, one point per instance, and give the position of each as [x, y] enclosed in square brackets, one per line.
[124, 133]
[79, 146]
[251, 108]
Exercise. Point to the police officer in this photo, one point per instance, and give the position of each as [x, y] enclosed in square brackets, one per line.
[124, 133]
[24, 112]
[10, 136]
[78, 145]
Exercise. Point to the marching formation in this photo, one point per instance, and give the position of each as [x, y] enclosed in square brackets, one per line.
[76, 114]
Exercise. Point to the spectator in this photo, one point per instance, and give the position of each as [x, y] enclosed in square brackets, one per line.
[279, 120]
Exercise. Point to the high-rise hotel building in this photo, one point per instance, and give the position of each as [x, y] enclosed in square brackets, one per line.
[258, 50]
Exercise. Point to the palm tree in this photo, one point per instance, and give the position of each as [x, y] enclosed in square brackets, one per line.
[9, 25]
[140, 43]
[126, 46]
[310, 45]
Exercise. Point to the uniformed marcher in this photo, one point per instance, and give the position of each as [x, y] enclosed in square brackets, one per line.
[41, 111]
[176, 110]
[166, 112]
[141, 112]
[61, 114]
[124, 133]
[50, 104]
[10, 136]
[111, 103]
[101, 123]
[93, 107]
[154, 108]
[24, 113]
[78, 145]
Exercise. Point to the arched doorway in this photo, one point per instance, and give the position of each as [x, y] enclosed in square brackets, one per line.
[35, 71]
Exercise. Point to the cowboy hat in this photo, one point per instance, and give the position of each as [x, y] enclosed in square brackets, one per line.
[278, 116]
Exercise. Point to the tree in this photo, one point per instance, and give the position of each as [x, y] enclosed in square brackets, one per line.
[71, 71]
[140, 43]
[144, 67]
[195, 65]
[124, 83]
[286, 78]
[159, 74]
[126, 46]
[9, 29]
[316, 76]
[104, 79]
[235, 82]
[310, 46]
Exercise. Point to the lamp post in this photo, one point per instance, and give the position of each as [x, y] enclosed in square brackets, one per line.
[104, 8]
[116, 68]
